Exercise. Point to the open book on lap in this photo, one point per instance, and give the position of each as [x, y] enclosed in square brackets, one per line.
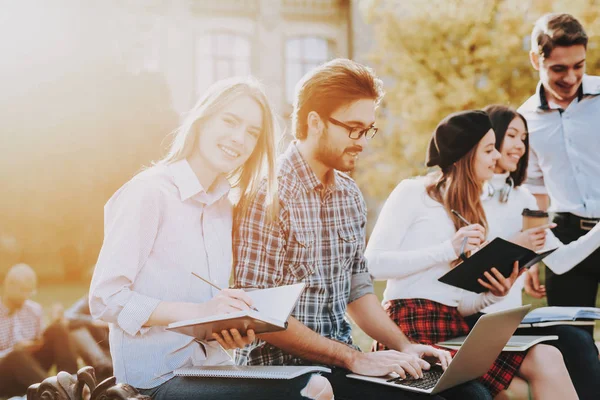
[499, 253]
[250, 372]
[274, 307]
[515, 343]
[549, 316]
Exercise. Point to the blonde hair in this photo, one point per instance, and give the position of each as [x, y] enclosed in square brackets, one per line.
[260, 164]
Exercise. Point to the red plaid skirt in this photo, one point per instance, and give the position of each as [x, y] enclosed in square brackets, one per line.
[427, 322]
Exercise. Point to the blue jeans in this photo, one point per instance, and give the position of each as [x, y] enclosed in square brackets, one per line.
[194, 388]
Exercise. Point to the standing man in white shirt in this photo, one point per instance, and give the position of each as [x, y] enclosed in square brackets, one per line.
[563, 118]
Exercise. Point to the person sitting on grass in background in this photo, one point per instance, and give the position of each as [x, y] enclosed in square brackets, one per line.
[90, 337]
[27, 350]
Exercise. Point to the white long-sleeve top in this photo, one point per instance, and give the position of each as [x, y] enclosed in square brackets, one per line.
[505, 221]
[411, 247]
[159, 228]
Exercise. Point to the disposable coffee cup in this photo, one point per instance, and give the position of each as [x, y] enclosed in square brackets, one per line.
[534, 218]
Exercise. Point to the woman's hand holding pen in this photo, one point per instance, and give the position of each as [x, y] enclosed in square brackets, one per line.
[228, 301]
[497, 284]
[474, 235]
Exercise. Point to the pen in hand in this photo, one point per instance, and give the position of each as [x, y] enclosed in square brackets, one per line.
[462, 254]
[463, 219]
[213, 285]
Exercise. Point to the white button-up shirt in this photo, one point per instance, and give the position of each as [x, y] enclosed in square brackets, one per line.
[159, 227]
[564, 160]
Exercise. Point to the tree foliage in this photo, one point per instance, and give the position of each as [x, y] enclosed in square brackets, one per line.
[442, 56]
[75, 124]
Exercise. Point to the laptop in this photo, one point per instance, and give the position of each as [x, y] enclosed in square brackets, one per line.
[475, 357]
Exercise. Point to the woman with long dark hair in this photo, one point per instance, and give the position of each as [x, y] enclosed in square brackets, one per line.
[504, 199]
[417, 240]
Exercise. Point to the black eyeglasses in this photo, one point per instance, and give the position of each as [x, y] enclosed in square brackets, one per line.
[355, 133]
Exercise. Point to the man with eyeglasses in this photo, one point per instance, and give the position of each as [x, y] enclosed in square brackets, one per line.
[27, 350]
[318, 237]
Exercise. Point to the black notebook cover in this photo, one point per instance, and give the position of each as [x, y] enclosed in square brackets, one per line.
[500, 254]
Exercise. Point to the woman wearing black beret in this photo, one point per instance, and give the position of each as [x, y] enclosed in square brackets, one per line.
[417, 240]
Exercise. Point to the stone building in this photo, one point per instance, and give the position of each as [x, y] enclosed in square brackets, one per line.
[195, 42]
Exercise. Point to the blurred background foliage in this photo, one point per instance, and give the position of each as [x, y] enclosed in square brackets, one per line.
[76, 122]
[441, 56]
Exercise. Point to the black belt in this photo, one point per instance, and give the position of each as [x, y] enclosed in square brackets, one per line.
[573, 221]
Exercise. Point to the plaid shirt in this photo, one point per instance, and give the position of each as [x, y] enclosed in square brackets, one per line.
[23, 324]
[318, 239]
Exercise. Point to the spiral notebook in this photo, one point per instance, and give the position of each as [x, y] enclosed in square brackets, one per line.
[250, 372]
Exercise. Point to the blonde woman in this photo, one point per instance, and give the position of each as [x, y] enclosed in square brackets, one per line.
[175, 219]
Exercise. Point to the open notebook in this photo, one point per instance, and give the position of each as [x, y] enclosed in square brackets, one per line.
[498, 253]
[274, 307]
[515, 343]
[548, 316]
[250, 372]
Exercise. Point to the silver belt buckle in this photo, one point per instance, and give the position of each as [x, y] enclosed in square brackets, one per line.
[587, 224]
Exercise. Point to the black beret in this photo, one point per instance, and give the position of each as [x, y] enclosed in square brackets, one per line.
[455, 136]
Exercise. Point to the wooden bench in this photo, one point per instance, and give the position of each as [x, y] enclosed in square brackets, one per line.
[65, 386]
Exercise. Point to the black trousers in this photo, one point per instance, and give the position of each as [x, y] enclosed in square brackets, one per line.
[353, 389]
[343, 389]
[579, 353]
[192, 388]
[19, 369]
[579, 286]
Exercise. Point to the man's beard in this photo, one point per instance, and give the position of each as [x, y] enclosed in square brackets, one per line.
[332, 158]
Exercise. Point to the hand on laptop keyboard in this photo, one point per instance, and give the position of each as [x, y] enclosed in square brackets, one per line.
[429, 380]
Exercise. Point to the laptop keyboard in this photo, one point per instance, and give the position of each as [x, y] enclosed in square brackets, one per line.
[429, 380]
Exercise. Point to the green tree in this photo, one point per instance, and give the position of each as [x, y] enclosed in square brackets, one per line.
[441, 56]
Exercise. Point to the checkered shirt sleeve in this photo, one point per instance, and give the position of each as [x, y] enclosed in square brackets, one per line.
[318, 239]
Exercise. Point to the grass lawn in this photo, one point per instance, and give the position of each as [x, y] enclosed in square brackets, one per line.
[67, 294]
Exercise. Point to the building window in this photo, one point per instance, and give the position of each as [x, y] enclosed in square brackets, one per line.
[301, 55]
[221, 55]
